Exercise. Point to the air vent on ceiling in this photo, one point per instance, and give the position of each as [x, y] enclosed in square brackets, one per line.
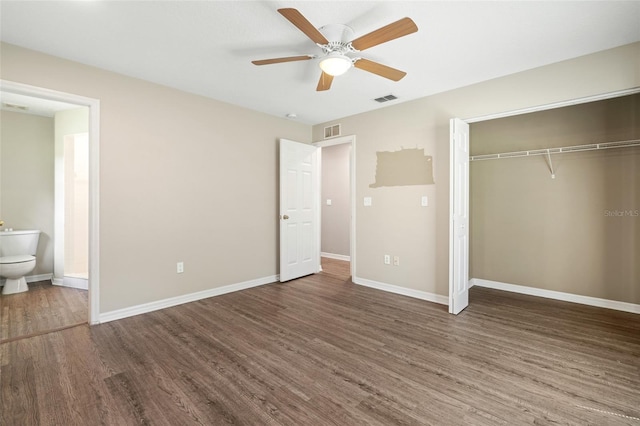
[332, 131]
[386, 98]
[14, 106]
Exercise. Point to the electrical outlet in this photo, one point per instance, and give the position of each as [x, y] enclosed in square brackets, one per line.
[387, 259]
[180, 267]
[396, 260]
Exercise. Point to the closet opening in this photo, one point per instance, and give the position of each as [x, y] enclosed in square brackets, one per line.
[553, 201]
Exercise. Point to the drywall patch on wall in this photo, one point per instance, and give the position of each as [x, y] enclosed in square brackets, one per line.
[402, 168]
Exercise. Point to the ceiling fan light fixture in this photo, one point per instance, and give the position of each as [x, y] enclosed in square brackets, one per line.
[335, 64]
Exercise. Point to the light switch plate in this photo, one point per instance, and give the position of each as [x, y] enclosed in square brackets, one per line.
[328, 202]
[425, 201]
[367, 201]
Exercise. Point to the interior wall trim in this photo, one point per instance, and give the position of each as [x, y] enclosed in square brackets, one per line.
[33, 278]
[36, 278]
[72, 282]
[390, 288]
[185, 298]
[558, 295]
[335, 256]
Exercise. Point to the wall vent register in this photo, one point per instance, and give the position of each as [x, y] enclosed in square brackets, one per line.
[332, 131]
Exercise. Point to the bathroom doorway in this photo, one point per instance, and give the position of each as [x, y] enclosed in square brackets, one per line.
[68, 252]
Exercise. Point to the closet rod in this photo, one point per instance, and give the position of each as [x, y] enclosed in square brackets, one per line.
[562, 150]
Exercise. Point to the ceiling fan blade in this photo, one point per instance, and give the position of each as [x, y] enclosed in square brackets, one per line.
[325, 82]
[303, 25]
[279, 60]
[379, 69]
[401, 28]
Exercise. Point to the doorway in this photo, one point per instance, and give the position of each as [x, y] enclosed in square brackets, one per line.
[337, 204]
[42, 96]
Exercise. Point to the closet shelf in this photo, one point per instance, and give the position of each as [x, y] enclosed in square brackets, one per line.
[562, 150]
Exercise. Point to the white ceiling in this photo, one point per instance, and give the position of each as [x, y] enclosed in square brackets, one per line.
[206, 47]
[30, 105]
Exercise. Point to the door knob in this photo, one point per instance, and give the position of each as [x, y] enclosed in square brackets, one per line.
[285, 217]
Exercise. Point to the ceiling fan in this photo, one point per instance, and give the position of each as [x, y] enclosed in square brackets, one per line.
[338, 54]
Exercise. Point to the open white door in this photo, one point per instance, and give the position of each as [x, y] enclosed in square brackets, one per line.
[459, 220]
[299, 210]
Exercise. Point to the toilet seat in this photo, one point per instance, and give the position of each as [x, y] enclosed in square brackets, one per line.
[16, 259]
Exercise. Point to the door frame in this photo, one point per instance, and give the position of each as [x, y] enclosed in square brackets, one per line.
[349, 139]
[544, 107]
[93, 307]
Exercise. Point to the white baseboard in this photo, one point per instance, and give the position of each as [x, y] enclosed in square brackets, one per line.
[336, 256]
[186, 298]
[72, 282]
[36, 278]
[431, 297]
[32, 278]
[557, 295]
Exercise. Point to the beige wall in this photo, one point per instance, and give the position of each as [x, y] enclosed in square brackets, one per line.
[26, 179]
[188, 178]
[616, 119]
[336, 186]
[396, 224]
[182, 178]
[559, 234]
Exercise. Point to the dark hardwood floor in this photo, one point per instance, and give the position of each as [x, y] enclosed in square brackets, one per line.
[323, 351]
[337, 269]
[42, 309]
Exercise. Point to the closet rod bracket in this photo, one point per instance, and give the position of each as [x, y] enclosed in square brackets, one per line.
[553, 173]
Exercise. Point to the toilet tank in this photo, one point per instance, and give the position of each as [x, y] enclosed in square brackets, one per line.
[14, 243]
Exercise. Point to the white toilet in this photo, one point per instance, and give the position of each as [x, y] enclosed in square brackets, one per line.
[17, 258]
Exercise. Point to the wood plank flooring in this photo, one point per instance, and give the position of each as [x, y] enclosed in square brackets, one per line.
[323, 351]
[337, 269]
[42, 309]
